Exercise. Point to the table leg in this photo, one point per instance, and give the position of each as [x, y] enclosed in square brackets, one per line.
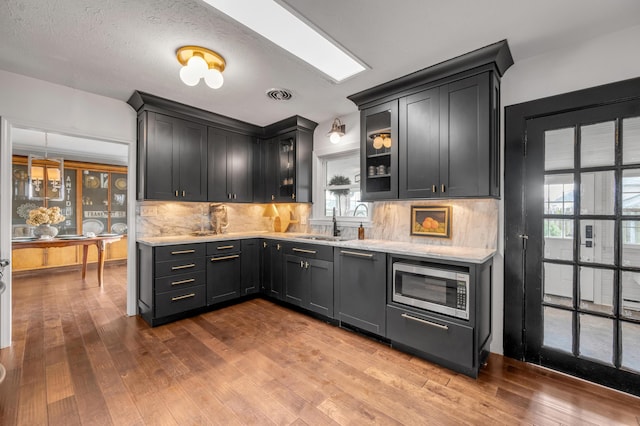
[101, 246]
[85, 251]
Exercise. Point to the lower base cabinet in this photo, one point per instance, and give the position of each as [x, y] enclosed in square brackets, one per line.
[272, 268]
[224, 271]
[250, 265]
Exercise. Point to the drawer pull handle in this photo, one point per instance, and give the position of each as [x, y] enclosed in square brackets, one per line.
[225, 247]
[186, 296]
[191, 265]
[304, 250]
[183, 251]
[355, 253]
[233, 256]
[183, 281]
[432, 324]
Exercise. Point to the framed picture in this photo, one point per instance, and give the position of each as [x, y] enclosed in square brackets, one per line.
[431, 221]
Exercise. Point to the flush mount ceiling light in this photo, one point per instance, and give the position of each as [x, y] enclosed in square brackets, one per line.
[199, 62]
[277, 24]
[337, 131]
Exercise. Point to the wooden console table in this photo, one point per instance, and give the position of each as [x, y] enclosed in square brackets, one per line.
[99, 242]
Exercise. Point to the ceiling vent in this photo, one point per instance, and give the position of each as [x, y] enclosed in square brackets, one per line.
[279, 94]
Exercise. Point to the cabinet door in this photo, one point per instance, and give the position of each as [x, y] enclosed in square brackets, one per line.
[320, 281]
[269, 171]
[161, 168]
[286, 168]
[223, 278]
[240, 168]
[272, 273]
[250, 261]
[295, 281]
[217, 164]
[192, 149]
[379, 160]
[361, 289]
[466, 154]
[419, 149]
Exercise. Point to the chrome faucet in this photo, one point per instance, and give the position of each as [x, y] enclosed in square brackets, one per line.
[336, 231]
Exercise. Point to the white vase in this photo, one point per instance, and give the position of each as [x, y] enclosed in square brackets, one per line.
[45, 230]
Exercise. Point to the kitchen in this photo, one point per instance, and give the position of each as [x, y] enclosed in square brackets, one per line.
[29, 101]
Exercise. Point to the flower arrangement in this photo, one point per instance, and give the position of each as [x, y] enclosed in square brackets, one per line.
[44, 216]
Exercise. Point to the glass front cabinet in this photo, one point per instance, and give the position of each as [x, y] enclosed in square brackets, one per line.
[95, 200]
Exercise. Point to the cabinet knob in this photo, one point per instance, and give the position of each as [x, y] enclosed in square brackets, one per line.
[176, 192]
[184, 193]
[273, 197]
[278, 246]
[235, 196]
[442, 188]
[434, 188]
[293, 196]
[264, 244]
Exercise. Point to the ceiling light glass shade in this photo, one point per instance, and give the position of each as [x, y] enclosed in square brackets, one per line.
[198, 65]
[334, 138]
[386, 141]
[189, 76]
[214, 78]
[378, 142]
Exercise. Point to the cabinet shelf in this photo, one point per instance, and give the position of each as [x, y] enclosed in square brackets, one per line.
[379, 176]
[384, 154]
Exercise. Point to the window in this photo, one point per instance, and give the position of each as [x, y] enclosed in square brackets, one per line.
[339, 178]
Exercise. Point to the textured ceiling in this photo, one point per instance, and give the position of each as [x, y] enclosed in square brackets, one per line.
[113, 47]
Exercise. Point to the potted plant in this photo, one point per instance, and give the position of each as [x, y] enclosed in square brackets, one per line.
[42, 218]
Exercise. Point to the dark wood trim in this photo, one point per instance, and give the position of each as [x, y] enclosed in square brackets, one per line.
[516, 117]
[283, 126]
[497, 55]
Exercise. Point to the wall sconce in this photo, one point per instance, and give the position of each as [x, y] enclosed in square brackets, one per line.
[337, 131]
[199, 62]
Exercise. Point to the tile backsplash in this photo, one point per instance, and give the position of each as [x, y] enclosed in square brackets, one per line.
[474, 221]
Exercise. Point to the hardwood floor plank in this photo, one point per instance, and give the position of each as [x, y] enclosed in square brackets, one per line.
[77, 359]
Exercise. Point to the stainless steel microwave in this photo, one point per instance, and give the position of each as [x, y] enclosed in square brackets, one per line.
[436, 290]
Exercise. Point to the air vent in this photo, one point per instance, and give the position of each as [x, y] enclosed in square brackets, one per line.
[279, 94]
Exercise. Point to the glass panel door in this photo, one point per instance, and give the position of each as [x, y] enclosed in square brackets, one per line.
[582, 188]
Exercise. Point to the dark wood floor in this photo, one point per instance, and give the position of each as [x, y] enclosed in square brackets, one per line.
[77, 359]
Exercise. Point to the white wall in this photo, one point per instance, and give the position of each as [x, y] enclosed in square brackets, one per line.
[27, 102]
[593, 62]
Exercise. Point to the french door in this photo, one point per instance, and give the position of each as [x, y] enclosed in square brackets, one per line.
[581, 213]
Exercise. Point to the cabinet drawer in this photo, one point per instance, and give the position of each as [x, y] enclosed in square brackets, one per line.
[181, 281]
[310, 251]
[182, 251]
[179, 266]
[442, 339]
[176, 301]
[221, 247]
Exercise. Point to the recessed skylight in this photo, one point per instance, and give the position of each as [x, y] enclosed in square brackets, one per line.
[274, 22]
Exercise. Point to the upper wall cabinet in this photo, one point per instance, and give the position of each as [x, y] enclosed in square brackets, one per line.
[173, 155]
[188, 154]
[286, 161]
[230, 166]
[443, 130]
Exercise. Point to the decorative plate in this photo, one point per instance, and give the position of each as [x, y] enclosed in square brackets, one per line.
[121, 184]
[119, 228]
[91, 182]
[92, 225]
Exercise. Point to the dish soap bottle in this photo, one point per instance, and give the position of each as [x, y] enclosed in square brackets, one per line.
[361, 232]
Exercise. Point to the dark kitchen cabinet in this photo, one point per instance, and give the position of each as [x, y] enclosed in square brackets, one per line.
[223, 271]
[448, 147]
[308, 277]
[379, 152]
[172, 155]
[171, 281]
[447, 131]
[360, 289]
[286, 157]
[230, 166]
[272, 268]
[250, 265]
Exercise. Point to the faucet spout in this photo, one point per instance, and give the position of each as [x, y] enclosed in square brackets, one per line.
[336, 231]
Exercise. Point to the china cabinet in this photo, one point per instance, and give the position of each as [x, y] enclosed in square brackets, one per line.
[95, 200]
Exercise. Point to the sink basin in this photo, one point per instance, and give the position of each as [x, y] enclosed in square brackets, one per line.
[322, 238]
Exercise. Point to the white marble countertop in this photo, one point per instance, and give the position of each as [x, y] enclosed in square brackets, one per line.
[462, 254]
